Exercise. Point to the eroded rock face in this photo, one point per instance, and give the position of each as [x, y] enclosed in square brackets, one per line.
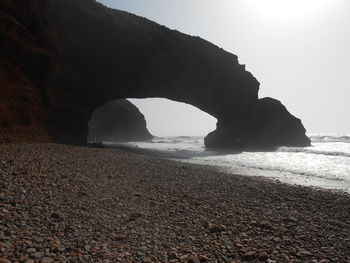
[118, 121]
[25, 68]
[82, 55]
[271, 125]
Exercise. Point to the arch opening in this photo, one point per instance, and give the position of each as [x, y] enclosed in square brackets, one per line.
[142, 119]
[166, 117]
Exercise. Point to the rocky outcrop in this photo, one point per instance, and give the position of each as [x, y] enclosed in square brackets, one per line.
[272, 125]
[25, 70]
[68, 58]
[118, 121]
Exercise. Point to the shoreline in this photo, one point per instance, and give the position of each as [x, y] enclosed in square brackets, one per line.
[69, 203]
[243, 171]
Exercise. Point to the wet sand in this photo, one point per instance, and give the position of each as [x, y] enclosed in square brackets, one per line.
[63, 203]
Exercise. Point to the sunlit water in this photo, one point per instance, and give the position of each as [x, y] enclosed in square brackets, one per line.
[324, 165]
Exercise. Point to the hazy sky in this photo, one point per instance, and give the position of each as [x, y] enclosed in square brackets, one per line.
[299, 50]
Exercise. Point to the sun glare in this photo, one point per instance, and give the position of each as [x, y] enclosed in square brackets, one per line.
[288, 9]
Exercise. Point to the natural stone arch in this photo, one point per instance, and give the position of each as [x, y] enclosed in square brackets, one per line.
[95, 54]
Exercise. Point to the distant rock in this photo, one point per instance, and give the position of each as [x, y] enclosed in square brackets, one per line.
[274, 125]
[118, 121]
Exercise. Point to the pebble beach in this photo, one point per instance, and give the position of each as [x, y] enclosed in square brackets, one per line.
[62, 203]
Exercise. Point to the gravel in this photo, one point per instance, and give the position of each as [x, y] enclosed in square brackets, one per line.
[62, 203]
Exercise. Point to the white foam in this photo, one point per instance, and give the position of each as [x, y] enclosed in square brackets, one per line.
[326, 164]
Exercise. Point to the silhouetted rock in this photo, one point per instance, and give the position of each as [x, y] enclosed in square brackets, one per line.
[118, 121]
[274, 125]
[62, 59]
[271, 125]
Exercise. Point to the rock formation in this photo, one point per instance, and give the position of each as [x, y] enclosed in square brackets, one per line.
[272, 125]
[62, 59]
[118, 121]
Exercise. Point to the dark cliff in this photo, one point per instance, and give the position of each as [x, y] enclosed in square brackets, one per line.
[118, 121]
[62, 59]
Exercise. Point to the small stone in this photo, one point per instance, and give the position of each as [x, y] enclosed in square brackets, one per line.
[39, 240]
[173, 255]
[304, 252]
[207, 224]
[31, 250]
[28, 243]
[217, 228]
[37, 255]
[203, 258]
[263, 255]
[23, 258]
[250, 255]
[244, 235]
[193, 259]
[46, 260]
[56, 216]
[120, 237]
[150, 259]
[192, 238]
[61, 259]
[60, 249]
[30, 261]
[140, 253]
[87, 247]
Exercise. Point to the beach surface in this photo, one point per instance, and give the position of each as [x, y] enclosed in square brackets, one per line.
[62, 203]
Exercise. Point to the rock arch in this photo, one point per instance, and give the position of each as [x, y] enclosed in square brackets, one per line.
[83, 55]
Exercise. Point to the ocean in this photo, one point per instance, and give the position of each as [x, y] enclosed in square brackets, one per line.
[326, 164]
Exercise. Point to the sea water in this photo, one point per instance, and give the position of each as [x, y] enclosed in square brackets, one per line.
[326, 164]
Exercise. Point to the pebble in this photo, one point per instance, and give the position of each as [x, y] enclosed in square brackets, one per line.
[37, 255]
[31, 250]
[250, 255]
[193, 259]
[47, 260]
[217, 228]
[263, 255]
[23, 258]
[150, 259]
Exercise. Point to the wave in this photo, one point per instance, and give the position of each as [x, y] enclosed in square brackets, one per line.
[178, 139]
[172, 141]
[330, 138]
[316, 138]
[311, 151]
[296, 172]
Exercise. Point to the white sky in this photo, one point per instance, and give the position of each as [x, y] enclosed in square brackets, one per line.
[299, 50]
